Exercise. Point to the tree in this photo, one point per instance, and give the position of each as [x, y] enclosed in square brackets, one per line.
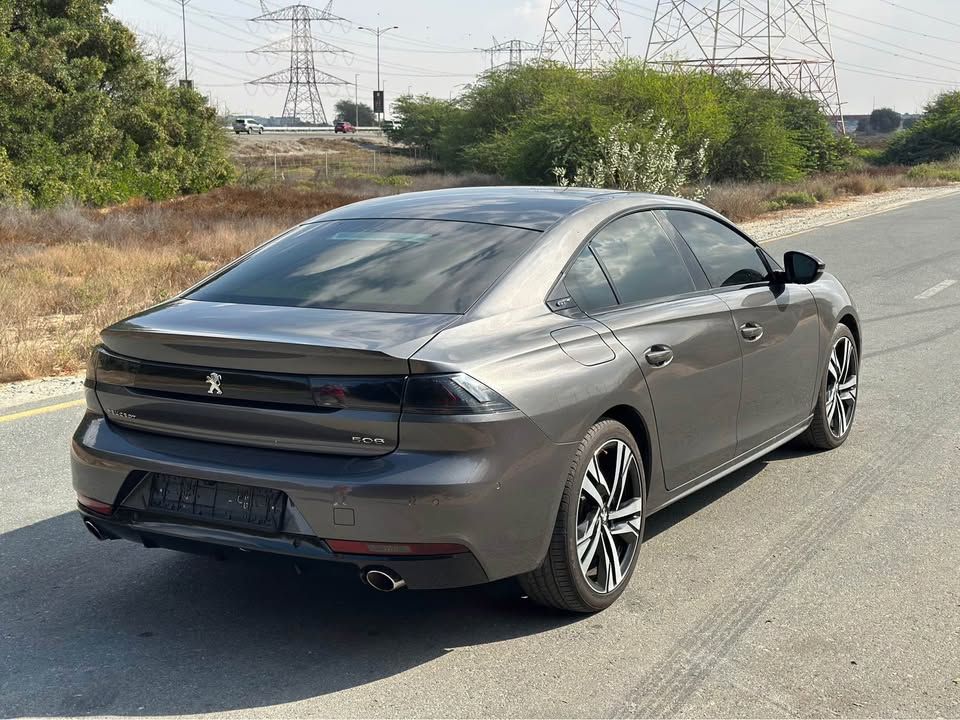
[935, 136]
[423, 120]
[86, 115]
[885, 120]
[348, 110]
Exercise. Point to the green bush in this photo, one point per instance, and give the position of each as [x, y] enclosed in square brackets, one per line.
[86, 116]
[948, 171]
[523, 122]
[935, 136]
[791, 199]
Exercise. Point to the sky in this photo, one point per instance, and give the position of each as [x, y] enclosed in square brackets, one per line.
[889, 53]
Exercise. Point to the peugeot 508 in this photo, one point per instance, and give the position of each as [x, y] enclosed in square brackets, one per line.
[452, 387]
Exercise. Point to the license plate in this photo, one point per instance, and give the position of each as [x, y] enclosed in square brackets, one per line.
[217, 502]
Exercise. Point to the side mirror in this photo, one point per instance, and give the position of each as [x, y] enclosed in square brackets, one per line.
[802, 268]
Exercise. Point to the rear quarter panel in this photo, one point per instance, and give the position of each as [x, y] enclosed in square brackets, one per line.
[515, 354]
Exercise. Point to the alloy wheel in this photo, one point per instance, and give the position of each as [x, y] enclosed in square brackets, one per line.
[609, 516]
[841, 387]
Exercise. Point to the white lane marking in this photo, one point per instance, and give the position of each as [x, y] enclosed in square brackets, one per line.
[930, 292]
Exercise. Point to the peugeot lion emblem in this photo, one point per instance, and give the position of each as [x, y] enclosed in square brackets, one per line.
[214, 380]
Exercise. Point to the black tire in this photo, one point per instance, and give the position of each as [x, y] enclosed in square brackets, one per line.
[260, 131]
[559, 581]
[822, 433]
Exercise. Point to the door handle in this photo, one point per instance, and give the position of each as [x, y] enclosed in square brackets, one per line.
[659, 355]
[751, 332]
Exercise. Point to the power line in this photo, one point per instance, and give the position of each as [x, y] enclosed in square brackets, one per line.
[895, 45]
[923, 14]
[834, 11]
[885, 51]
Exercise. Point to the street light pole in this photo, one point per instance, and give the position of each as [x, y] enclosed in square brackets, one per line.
[183, 17]
[356, 100]
[378, 31]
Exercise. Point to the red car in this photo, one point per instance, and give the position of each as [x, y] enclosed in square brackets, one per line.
[344, 127]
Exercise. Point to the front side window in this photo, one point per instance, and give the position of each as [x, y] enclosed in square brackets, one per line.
[390, 265]
[642, 261]
[725, 256]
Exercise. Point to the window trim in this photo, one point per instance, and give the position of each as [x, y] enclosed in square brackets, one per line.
[587, 243]
[727, 224]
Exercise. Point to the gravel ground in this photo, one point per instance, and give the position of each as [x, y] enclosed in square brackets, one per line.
[787, 222]
[30, 391]
[790, 222]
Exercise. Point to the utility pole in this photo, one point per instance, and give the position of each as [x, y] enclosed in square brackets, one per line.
[583, 34]
[302, 78]
[378, 31]
[183, 17]
[514, 50]
[626, 41]
[776, 44]
[356, 100]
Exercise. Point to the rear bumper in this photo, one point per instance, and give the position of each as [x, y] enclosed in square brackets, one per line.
[419, 573]
[498, 498]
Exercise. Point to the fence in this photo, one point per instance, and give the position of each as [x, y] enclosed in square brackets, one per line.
[323, 168]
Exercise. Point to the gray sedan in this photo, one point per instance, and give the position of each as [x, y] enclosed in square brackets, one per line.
[452, 387]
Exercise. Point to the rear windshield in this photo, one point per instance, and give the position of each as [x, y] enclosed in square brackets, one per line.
[417, 266]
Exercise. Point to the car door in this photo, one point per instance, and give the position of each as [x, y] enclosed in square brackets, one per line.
[777, 327]
[678, 331]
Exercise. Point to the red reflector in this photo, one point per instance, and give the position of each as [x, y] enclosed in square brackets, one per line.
[95, 505]
[356, 547]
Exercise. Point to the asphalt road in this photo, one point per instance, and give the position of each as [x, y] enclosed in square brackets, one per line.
[806, 584]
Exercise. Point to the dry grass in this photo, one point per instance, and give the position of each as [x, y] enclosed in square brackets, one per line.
[66, 273]
[745, 201]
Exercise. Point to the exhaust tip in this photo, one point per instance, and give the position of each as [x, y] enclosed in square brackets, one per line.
[383, 580]
[94, 530]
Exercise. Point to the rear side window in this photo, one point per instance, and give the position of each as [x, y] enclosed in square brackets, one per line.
[643, 263]
[725, 256]
[417, 266]
[587, 284]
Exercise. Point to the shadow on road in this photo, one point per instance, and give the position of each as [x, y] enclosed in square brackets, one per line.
[694, 503]
[111, 628]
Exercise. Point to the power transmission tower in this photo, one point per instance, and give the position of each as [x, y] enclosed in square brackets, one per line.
[584, 34]
[513, 49]
[778, 44]
[302, 78]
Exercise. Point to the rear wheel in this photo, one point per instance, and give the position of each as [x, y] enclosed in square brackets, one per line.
[837, 400]
[599, 528]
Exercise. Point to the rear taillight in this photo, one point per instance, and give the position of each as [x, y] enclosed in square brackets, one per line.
[90, 382]
[456, 394]
[357, 393]
[357, 547]
[96, 506]
[115, 370]
[92, 363]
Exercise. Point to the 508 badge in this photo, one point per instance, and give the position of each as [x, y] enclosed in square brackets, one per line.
[367, 440]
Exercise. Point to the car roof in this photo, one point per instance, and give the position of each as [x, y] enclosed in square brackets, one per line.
[535, 208]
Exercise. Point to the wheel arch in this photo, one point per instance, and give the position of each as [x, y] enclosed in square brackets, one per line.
[851, 322]
[630, 417]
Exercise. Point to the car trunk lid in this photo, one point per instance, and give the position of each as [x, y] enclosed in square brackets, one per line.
[301, 379]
